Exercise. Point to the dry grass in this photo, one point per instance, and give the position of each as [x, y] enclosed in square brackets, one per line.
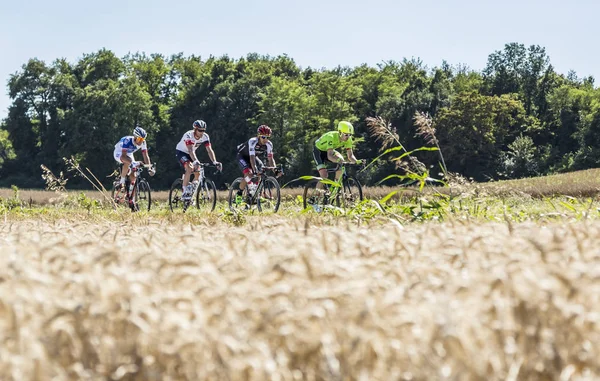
[284, 299]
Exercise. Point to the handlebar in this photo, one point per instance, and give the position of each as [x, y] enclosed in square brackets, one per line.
[209, 165]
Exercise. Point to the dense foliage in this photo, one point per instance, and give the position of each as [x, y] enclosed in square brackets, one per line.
[516, 118]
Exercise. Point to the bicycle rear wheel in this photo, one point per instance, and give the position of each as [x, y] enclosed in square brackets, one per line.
[175, 193]
[119, 194]
[270, 195]
[238, 203]
[313, 197]
[206, 197]
[350, 194]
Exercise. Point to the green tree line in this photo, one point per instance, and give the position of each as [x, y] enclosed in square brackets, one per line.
[518, 117]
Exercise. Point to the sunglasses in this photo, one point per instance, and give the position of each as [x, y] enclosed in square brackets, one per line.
[139, 139]
[264, 136]
[347, 134]
[200, 130]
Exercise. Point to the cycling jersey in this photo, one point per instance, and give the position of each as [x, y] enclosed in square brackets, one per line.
[128, 144]
[332, 140]
[188, 139]
[252, 148]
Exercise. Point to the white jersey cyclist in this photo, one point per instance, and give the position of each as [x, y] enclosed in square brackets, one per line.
[188, 139]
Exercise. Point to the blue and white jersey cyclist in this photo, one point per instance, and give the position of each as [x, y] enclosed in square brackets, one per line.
[124, 150]
[186, 154]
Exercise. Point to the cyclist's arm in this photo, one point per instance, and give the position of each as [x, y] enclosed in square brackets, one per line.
[350, 155]
[191, 152]
[211, 154]
[146, 157]
[334, 156]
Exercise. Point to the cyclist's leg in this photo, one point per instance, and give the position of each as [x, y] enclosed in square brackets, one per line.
[320, 158]
[185, 160]
[117, 156]
[244, 164]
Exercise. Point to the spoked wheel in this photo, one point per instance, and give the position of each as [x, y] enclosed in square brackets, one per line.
[175, 200]
[270, 195]
[238, 203]
[315, 198]
[142, 199]
[350, 194]
[206, 197]
[119, 194]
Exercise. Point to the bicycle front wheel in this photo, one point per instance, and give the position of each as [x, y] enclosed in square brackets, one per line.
[350, 194]
[206, 197]
[143, 197]
[269, 197]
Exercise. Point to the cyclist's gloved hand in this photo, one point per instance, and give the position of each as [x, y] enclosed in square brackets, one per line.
[219, 165]
[196, 164]
[359, 161]
[152, 171]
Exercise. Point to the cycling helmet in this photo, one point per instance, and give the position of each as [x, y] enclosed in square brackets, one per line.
[139, 132]
[263, 129]
[345, 127]
[199, 124]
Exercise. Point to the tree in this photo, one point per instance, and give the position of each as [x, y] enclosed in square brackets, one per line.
[476, 128]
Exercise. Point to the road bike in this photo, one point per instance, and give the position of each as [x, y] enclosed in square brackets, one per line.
[346, 192]
[138, 197]
[266, 197]
[204, 194]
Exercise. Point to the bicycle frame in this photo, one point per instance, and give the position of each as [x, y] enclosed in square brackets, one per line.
[339, 183]
[138, 179]
[261, 179]
[201, 177]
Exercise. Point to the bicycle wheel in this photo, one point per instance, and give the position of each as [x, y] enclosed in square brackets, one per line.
[269, 196]
[313, 197]
[143, 198]
[350, 194]
[241, 203]
[119, 196]
[175, 201]
[206, 197]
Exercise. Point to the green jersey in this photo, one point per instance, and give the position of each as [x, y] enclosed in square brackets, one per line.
[332, 140]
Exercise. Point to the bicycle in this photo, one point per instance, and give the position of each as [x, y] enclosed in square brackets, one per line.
[266, 197]
[346, 192]
[204, 193]
[140, 198]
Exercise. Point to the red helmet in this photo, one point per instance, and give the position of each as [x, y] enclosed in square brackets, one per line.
[264, 130]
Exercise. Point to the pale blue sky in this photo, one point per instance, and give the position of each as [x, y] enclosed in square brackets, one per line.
[316, 33]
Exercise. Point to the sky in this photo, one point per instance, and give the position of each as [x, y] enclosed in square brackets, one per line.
[315, 33]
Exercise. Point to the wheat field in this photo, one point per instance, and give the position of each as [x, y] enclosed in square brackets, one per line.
[144, 298]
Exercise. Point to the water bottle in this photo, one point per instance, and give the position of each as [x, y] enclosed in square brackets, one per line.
[252, 188]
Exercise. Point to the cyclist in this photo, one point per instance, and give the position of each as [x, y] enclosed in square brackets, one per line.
[248, 161]
[325, 149]
[186, 154]
[123, 154]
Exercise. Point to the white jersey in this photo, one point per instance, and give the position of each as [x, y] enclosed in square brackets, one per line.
[188, 139]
